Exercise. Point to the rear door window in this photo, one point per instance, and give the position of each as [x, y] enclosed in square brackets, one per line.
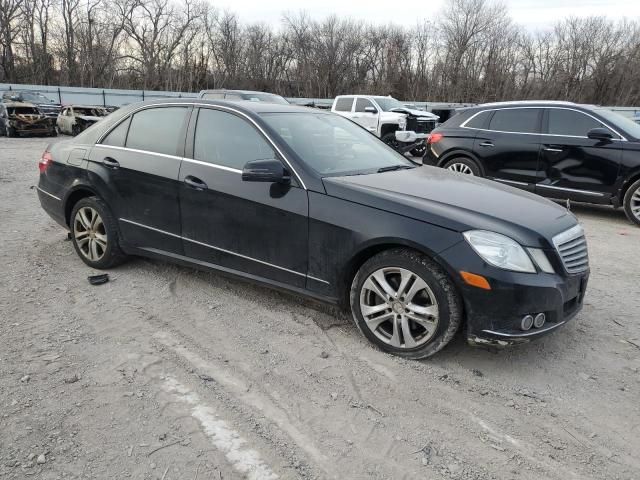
[479, 120]
[571, 123]
[118, 136]
[227, 140]
[344, 104]
[157, 130]
[516, 120]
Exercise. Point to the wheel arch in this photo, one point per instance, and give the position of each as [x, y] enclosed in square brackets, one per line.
[630, 179]
[76, 194]
[388, 128]
[374, 247]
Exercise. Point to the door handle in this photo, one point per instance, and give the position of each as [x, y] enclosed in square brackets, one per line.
[194, 182]
[486, 144]
[551, 149]
[110, 163]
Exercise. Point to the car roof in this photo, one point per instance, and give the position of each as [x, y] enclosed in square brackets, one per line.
[243, 106]
[82, 106]
[220, 90]
[529, 103]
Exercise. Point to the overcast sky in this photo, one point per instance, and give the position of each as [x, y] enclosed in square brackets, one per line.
[533, 14]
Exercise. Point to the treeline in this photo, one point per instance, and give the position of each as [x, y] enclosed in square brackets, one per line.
[471, 51]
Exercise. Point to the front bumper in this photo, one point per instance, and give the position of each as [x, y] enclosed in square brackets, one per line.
[408, 136]
[494, 316]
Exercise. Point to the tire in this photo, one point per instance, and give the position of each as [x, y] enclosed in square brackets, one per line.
[419, 151]
[101, 234]
[75, 130]
[463, 165]
[53, 132]
[390, 139]
[631, 203]
[10, 131]
[440, 304]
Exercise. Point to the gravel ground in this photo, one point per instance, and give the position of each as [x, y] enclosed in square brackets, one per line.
[168, 373]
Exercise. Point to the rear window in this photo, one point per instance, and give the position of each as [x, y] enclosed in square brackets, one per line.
[478, 121]
[344, 104]
[516, 120]
[157, 130]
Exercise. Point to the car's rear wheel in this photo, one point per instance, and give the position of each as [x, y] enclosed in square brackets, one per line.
[10, 131]
[632, 203]
[405, 304]
[94, 234]
[463, 165]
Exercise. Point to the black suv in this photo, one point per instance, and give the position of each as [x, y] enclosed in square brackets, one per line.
[556, 149]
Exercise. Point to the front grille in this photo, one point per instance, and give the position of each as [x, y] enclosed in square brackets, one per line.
[420, 125]
[572, 248]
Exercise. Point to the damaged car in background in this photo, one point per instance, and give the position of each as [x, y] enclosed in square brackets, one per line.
[75, 119]
[46, 105]
[18, 118]
[403, 128]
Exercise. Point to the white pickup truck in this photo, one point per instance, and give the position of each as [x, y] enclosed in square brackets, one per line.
[398, 126]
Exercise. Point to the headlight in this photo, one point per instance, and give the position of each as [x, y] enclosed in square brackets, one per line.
[500, 251]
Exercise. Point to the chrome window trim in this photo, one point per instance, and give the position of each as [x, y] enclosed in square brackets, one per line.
[136, 150]
[47, 193]
[464, 124]
[214, 165]
[222, 250]
[205, 105]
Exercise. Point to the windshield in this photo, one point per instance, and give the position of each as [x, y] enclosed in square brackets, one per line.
[624, 123]
[388, 103]
[34, 97]
[333, 145]
[265, 97]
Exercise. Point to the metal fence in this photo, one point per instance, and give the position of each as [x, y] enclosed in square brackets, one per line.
[117, 98]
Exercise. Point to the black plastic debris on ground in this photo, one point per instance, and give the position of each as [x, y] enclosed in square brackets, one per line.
[98, 279]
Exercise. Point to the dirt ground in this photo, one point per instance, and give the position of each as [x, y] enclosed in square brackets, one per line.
[168, 373]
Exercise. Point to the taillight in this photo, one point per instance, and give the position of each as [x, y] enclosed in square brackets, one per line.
[434, 138]
[45, 161]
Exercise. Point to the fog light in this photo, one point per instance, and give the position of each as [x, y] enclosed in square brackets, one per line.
[539, 320]
[527, 322]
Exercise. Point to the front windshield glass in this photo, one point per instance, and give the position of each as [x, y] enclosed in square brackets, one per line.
[265, 97]
[388, 103]
[617, 120]
[34, 97]
[333, 145]
[23, 111]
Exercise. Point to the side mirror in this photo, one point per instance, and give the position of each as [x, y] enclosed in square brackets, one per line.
[599, 134]
[271, 171]
[370, 110]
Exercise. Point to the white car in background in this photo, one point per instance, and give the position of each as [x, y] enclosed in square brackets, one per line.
[390, 120]
[74, 119]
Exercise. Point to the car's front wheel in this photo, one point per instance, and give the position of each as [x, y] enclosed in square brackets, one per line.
[94, 234]
[632, 203]
[405, 304]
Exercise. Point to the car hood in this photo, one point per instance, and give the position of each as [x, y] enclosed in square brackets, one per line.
[457, 202]
[417, 113]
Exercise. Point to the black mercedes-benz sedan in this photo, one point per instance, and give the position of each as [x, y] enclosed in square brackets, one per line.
[560, 150]
[308, 201]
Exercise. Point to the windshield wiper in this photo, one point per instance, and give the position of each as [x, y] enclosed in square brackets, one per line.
[393, 168]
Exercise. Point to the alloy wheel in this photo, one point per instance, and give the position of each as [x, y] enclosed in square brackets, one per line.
[399, 307]
[90, 233]
[460, 168]
[635, 203]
